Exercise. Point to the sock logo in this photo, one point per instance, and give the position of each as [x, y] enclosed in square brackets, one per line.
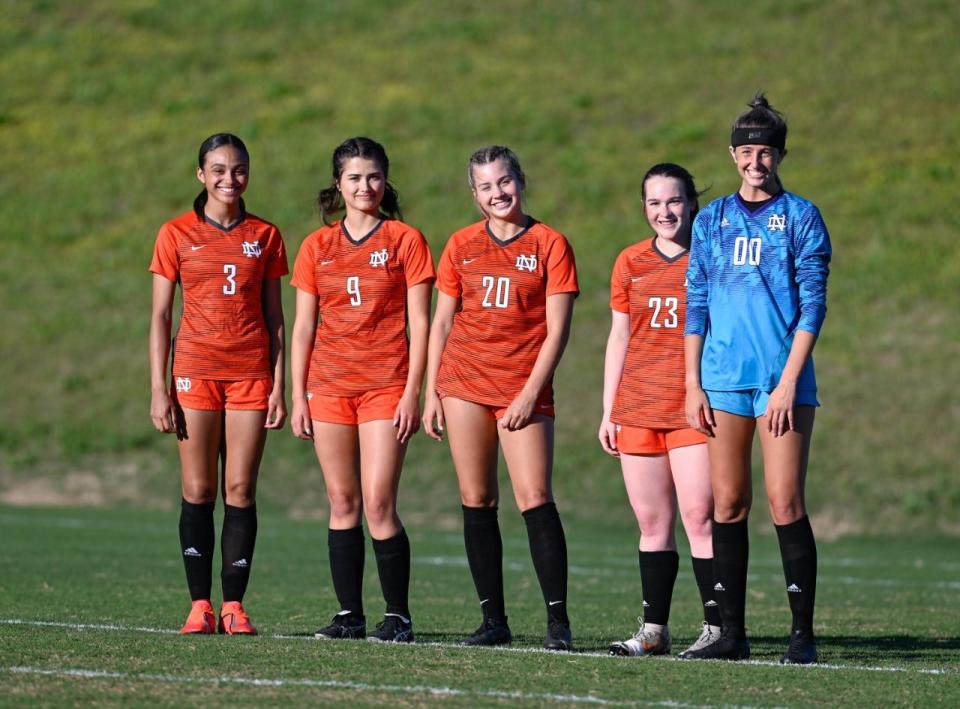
[710, 604]
[191, 551]
[645, 604]
[793, 588]
[719, 587]
[241, 563]
[553, 603]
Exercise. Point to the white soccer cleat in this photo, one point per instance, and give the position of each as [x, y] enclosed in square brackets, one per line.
[650, 639]
[709, 635]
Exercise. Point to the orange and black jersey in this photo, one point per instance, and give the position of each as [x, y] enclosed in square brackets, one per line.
[222, 333]
[361, 288]
[501, 323]
[649, 286]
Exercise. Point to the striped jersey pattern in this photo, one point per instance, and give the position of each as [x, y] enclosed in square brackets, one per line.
[754, 279]
[649, 287]
[501, 322]
[361, 288]
[222, 333]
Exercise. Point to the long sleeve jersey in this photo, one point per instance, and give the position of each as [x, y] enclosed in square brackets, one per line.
[753, 280]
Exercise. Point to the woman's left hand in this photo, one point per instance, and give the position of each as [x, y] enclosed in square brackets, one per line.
[518, 413]
[276, 410]
[407, 417]
[780, 408]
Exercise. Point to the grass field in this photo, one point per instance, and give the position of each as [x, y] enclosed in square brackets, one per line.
[90, 617]
[102, 107]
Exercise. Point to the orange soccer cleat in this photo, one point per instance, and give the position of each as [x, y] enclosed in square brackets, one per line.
[201, 619]
[234, 620]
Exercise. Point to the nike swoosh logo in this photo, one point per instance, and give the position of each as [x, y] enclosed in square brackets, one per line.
[324, 263]
[638, 278]
[468, 260]
[553, 603]
[196, 248]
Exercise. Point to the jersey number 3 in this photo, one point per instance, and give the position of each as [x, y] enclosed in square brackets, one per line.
[230, 271]
[668, 306]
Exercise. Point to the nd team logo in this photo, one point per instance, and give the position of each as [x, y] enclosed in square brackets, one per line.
[776, 222]
[183, 384]
[527, 263]
[378, 258]
[251, 249]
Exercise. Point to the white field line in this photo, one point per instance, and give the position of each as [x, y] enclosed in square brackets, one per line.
[593, 571]
[357, 686]
[400, 647]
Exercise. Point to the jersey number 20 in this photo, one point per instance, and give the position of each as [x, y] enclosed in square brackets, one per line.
[501, 296]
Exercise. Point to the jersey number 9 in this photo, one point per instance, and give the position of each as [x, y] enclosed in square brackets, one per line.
[353, 288]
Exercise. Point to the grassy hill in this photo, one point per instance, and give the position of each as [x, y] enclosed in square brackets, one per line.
[103, 105]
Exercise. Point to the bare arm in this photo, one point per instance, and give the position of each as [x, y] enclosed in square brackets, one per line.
[780, 407]
[613, 361]
[301, 347]
[162, 410]
[559, 315]
[697, 407]
[439, 332]
[407, 416]
[273, 315]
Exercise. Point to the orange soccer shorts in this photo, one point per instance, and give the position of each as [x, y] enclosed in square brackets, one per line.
[217, 395]
[543, 406]
[634, 440]
[373, 405]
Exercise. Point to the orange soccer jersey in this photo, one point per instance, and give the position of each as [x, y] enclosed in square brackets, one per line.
[361, 341]
[222, 332]
[501, 323]
[650, 288]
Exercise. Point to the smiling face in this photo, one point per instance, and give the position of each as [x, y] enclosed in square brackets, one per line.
[757, 166]
[497, 191]
[362, 184]
[668, 208]
[225, 175]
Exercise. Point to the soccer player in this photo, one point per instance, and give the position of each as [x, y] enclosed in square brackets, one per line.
[357, 378]
[506, 291]
[664, 461]
[228, 371]
[756, 300]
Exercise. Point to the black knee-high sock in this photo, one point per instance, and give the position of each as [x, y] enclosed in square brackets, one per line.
[196, 547]
[347, 550]
[548, 548]
[703, 573]
[393, 566]
[799, 553]
[481, 537]
[658, 573]
[237, 540]
[731, 551]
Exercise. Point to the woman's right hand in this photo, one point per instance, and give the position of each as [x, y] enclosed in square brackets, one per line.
[163, 413]
[433, 416]
[608, 437]
[698, 411]
[300, 420]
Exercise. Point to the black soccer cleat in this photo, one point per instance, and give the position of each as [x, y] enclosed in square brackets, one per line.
[802, 649]
[491, 632]
[558, 636]
[344, 626]
[731, 645]
[394, 629]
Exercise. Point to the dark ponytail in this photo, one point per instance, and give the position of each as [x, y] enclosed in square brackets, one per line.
[329, 199]
[217, 140]
[762, 125]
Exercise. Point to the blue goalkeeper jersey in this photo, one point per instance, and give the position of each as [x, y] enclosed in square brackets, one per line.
[753, 280]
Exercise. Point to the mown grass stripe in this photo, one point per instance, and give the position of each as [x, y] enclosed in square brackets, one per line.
[435, 691]
[521, 650]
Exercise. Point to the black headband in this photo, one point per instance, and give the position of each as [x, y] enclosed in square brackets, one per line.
[774, 137]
